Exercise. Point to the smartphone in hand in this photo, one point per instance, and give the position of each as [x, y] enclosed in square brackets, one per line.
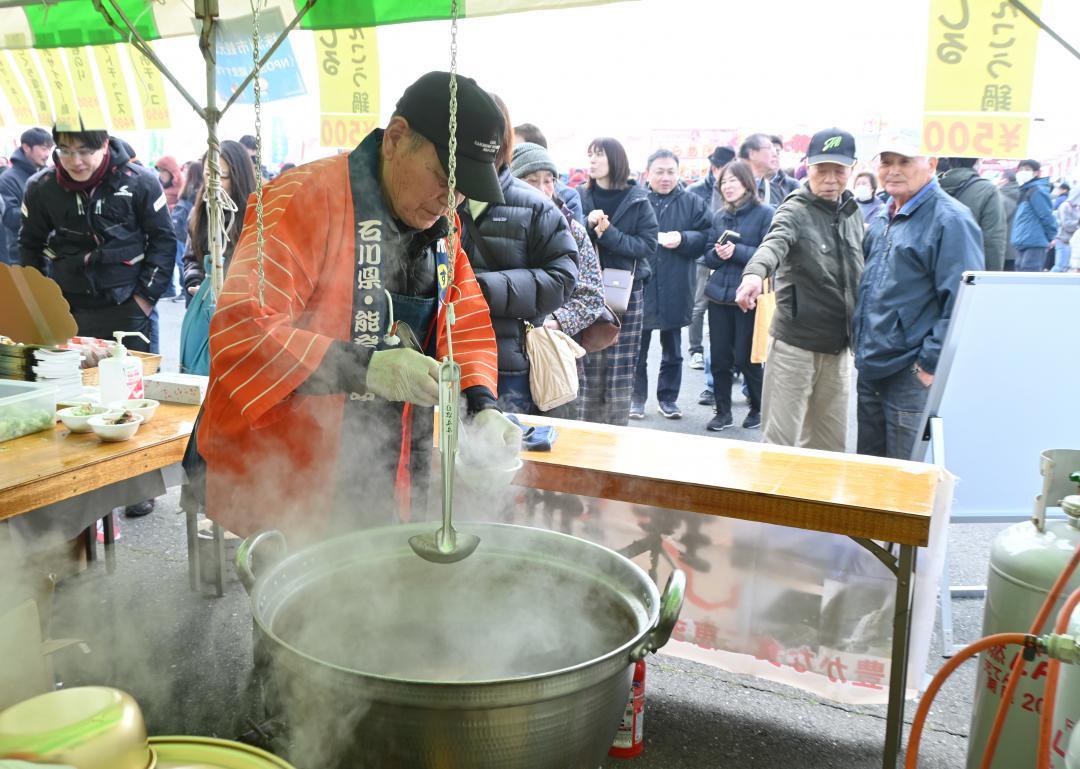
[728, 236]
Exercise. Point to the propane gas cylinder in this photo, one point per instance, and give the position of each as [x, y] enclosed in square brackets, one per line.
[630, 739]
[1067, 702]
[1024, 563]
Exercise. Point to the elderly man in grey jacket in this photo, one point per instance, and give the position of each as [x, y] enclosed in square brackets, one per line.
[813, 251]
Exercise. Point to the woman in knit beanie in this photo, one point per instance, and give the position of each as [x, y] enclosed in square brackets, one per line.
[533, 165]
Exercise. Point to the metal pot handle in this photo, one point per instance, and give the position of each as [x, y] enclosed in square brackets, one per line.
[245, 555]
[670, 605]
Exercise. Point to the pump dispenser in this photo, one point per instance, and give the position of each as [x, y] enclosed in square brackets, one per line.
[120, 373]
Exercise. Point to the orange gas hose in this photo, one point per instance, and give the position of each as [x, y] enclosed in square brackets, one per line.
[911, 761]
[1053, 670]
[1017, 670]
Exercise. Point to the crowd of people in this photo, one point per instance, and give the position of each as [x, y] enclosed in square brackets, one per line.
[863, 267]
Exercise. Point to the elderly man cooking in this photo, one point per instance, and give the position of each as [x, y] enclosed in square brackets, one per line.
[318, 415]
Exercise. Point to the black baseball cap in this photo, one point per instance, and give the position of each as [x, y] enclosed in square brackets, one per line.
[480, 126]
[831, 146]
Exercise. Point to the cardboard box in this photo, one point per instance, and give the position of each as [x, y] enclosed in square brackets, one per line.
[176, 388]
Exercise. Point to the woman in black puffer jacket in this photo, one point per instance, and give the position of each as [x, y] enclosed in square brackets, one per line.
[731, 331]
[525, 260]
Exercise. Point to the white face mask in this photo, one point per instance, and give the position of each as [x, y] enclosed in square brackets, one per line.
[1023, 177]
[863, 193]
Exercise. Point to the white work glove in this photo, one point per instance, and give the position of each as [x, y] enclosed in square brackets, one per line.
[495, 430]
[404, 375]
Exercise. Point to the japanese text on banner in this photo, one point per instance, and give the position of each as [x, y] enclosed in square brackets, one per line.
[116, 95]
[14, 93]
[348, 61]
[980, 67]
[155, 106]
[39, 99]
[56, 77]
[86, 96]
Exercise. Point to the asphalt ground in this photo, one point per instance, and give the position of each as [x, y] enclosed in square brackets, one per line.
[187, 657]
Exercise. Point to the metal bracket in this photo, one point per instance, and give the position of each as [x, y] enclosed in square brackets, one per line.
[892, 563]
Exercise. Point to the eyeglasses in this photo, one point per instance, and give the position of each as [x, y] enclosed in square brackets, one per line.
[83, 154]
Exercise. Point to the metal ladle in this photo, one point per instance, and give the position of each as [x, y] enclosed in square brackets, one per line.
[446, 545]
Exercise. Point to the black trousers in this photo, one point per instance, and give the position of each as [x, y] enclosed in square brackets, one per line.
[101, 322]
[731, 334]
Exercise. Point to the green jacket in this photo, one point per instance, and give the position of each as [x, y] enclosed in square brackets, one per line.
[814, 251]
[982, 197]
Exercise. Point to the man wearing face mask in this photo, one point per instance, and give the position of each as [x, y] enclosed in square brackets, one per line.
[915, 256]
[813, 251]
[318, 416]
[1034, 225]
[959, 178]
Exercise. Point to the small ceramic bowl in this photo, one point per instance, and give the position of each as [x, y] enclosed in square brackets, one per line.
[144, 407]
[75, 421]
[487, 477]
[105, 428]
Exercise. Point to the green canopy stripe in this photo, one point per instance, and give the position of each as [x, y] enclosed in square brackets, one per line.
[77, 22]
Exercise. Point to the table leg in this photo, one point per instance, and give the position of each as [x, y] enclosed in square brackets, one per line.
[219, 553]
[894, 721]
[89, 536]
[109, 541]
[192, 524]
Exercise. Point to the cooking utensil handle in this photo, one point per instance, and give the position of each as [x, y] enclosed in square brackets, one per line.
[670, 605]
[245, 555]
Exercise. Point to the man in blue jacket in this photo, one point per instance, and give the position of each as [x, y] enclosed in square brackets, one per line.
[35, 147]
[1034, 225]
[915, 257]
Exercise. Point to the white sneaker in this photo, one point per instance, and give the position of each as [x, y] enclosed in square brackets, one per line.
[697, 361]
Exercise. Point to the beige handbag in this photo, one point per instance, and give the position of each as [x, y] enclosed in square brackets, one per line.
[553, 374]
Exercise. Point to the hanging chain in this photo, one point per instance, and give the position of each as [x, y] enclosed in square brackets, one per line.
[451, 171]
[256, 82]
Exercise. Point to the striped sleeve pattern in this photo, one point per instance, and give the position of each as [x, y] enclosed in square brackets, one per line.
[474, 339]
[260, 354]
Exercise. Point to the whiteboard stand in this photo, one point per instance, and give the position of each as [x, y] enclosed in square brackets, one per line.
[1002, 384]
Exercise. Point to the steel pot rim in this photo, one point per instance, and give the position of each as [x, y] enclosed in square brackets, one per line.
[651, 635]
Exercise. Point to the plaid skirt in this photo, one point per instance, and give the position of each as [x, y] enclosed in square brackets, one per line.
[609, 374]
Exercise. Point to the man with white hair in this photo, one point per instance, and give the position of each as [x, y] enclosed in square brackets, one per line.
[915, 257]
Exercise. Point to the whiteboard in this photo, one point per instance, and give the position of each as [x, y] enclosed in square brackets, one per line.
[1007, 388]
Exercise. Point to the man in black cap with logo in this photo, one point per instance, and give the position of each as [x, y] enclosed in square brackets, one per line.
[813, 252]
[324, 353]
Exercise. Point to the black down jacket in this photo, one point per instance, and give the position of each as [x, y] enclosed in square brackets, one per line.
[669, 295]
[525, 263]
[103, 246]
[630, 238]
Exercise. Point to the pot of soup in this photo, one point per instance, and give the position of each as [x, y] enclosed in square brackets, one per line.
[520, 655]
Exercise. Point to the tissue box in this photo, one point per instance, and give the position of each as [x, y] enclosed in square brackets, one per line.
[176, 388]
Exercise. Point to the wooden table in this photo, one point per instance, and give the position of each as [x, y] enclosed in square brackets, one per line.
[865, 498]
[53, 465]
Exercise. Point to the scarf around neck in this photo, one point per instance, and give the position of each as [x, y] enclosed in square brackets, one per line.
[63, 178]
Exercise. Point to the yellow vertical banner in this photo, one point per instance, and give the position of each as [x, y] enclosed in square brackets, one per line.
[979, 74]
[116, 94]
[39, 99]
[59, 85]
[86, 94]
[348, 62]
[155, 105]
[13, 90]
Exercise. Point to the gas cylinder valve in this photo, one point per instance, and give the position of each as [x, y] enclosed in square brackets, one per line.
[1061, 647]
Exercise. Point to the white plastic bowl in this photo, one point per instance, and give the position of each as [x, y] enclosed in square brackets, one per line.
[110, 432]
[77, 423]
[144, 407]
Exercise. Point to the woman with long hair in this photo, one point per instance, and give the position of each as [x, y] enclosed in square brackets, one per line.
[238, 182]
[745, 219]
[622, 225]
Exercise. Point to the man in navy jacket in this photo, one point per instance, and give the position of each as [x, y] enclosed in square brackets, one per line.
[915, 257]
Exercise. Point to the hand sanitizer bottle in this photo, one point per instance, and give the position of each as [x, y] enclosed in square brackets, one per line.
[120, 374]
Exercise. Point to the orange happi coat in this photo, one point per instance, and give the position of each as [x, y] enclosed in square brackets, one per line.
[271, 451]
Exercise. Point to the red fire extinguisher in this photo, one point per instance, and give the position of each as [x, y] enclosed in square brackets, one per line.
[630, 739]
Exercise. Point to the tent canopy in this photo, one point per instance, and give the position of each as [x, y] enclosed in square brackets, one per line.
[71, 23]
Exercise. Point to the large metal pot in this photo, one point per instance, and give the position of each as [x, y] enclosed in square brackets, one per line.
[519, 656]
